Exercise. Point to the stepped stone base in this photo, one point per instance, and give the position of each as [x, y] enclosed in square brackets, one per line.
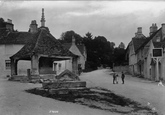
[67, 84]
[20, 78]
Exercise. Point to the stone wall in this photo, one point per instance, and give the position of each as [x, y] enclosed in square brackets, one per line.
[122, 68]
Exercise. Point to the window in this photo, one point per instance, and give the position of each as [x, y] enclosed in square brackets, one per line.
[8, 64]
[157, 52]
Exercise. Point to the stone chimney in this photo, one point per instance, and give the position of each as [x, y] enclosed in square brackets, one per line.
[9, 21]
[163, 31]
[153, 29]
[9, 25]
[33, 26]
[139, 31]
[139, 34]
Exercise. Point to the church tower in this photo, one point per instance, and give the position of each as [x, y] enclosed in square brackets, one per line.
[43, 18]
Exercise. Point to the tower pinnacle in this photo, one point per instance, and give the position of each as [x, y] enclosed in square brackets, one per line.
[42, 18]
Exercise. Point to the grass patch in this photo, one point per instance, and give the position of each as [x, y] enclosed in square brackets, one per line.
[102, 99]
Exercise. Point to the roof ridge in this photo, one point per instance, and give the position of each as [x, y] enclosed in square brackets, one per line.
[36, 44]
[148, 39]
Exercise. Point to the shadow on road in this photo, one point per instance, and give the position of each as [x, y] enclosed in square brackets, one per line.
[101, 99]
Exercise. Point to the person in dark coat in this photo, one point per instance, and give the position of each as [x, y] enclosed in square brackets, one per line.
[122, 77]
[114, 78]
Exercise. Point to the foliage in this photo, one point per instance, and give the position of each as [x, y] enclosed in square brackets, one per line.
[119, 54]
[121, 45]
[2, 23]
[67, 37]
[100, 51]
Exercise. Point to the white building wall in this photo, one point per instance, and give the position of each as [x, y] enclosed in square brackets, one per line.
[163, 67]
[76, 51]
[23, 66]
[132, 60]
[149, 59]
[65, 64]
[6, 51]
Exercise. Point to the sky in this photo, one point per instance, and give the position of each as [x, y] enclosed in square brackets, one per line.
[117, 21]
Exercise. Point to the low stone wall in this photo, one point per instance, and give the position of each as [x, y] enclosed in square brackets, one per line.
[47, 76]
[121, 68]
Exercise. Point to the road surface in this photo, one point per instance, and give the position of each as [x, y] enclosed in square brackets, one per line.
[144, 91]
[14, 100]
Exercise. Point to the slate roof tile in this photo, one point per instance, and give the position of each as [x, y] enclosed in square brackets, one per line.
[16, 38]
[43, 43]
[80, 47]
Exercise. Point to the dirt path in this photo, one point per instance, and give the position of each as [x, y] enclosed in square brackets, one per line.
[104, 98]
[143, 91]
[14, 100]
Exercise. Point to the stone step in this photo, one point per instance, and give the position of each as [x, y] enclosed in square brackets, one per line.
[68, 90]
[67, 84]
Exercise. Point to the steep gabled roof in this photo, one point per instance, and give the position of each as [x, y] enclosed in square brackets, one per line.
[3, 33]
[16, 38]
[80, 47]
[147, 40]
[137, 42]
[67, 45]
[157, 44]
[42, 43]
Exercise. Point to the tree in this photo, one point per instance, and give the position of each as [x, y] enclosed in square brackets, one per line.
[121, 45]
[67, 37]
[112, 44]
[2, 23]
[119, 54]
[99, 51]
[88, 36]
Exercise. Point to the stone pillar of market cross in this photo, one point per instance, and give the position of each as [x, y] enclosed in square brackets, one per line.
[35, 65]
[75, 65]
[14, 67]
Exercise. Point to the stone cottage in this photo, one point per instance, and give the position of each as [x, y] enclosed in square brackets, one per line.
[132, 48]
[77, 49]
[150, 55]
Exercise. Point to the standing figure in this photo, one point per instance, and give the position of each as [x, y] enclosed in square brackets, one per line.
[122, 77]
[114, 78]
[79, 69]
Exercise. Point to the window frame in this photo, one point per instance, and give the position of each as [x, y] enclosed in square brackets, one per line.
[7, 64]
